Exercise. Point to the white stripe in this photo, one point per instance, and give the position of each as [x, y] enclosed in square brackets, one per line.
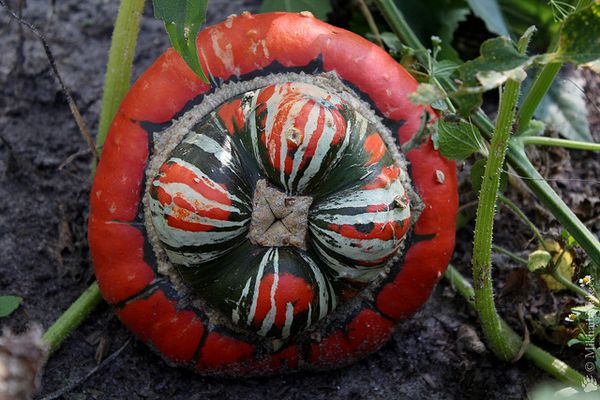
[203, 177]
[261, 269]
[323, 147]
[354, 272]
[361, 198]
[254, 130]
[209, 145]
[195, 218]
[235, 314]
[289, 318]
[381, 217]
[325, 289]
[269, 320]
[289, 124]
[309, 130]
[370, 250]
[193, 197]
[177, 237]
[183, 258]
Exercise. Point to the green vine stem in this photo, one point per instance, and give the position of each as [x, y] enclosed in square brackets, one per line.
[515, 155]
[505, 347]
[543, 360]
[509, 254]
[549, 141]
[120, 61]
[574, 288]
[73, 317]
[539, 88]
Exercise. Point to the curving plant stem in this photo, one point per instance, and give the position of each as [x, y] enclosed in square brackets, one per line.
[515, 155]
[505, 347]
[550, 141]
[71, 318]
[543, 360]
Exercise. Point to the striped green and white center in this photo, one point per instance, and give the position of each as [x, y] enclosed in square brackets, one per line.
[327, 177]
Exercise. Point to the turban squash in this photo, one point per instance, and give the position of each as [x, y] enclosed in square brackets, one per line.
[267, 222]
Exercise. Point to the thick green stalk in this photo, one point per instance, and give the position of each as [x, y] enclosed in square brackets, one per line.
[120, 61]
[567, 144]
[491, 324]
[515, 155]
[536, 93]
[543, 360]
[73, 317]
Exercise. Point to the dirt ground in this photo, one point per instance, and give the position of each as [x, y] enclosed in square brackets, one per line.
[44, 189]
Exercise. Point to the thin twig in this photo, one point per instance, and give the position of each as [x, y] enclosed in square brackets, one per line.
[71, 386]
[371, 21]
[468, 205]
[72, 157]
[74, 110]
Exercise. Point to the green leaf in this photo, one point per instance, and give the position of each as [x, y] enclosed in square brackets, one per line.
[538, 261]
[580, 37]
[319, 8]
[391, 41]
[183, 19]
[467, 101]
[439, 18]
[489, 12]
[499, 61]
[443, 69]
[458, 140]
[564, 110]
[569, 240]
[573, 342]
[8, 304]
[427, 94]
[519, 15]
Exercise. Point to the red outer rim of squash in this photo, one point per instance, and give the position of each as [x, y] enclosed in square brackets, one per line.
[238, 49]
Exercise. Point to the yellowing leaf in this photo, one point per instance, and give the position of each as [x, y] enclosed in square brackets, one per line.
[565, 266]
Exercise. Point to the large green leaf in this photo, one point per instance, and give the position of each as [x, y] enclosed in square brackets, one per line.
[564, 110]
[520, 15]
[319, 8]
[489, 12]
[183, 19]
[439, 18]
[8, 304]
[499, 60]
[580, 37]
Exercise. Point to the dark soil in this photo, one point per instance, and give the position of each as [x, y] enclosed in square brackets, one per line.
[44, 189]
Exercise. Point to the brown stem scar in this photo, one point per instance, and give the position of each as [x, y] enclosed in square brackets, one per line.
[278, 219]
